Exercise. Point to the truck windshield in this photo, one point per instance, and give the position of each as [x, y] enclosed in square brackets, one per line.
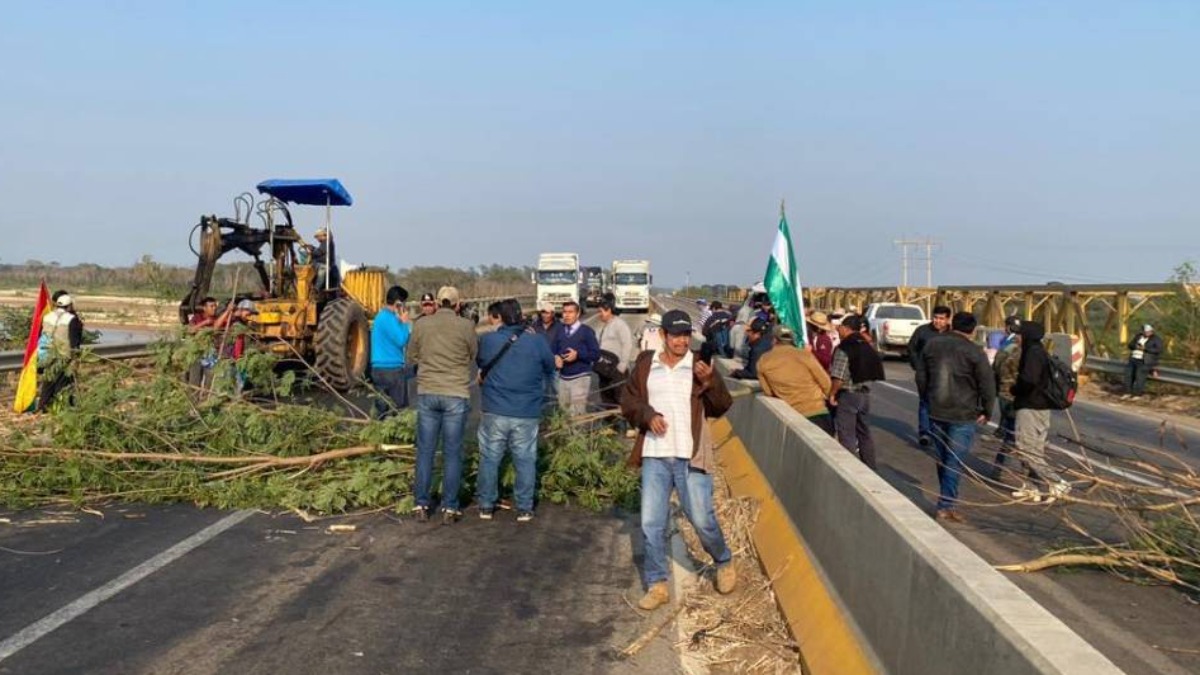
[899, 312]
[630, 279]
[552, 277]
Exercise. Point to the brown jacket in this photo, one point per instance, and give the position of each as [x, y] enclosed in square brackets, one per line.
[795, 376]
[708, 401]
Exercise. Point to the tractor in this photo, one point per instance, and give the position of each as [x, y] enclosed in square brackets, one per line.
[303, 310]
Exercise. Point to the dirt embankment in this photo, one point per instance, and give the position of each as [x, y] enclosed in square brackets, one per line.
[109, 310]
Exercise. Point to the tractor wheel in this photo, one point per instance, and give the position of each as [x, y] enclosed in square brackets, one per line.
[343, 343]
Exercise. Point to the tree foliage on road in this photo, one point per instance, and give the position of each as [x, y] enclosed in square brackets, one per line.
[141, 434]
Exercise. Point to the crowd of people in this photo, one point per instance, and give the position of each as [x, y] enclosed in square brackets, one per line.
[665, 392]
[958, 384]
[524, 368]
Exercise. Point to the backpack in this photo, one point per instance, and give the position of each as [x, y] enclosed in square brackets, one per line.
[1061, 384]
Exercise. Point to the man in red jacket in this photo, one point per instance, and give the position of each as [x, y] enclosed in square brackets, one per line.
[669, 396]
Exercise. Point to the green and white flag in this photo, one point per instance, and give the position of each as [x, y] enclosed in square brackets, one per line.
[783, 284]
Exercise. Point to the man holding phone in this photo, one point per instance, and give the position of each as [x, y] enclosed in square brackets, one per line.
[669, 397]
[389, 339]
[575, 352]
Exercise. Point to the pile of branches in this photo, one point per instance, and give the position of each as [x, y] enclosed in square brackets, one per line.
[1135, 511]
[138, 433]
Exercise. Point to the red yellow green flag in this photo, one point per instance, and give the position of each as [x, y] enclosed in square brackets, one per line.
[28, 384]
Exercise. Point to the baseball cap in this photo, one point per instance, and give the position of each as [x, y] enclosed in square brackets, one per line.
[64, 300]
[1145, 329]
[702, 301]
[545, 306]
[448, 294]
[785, 333]
[427, 299]
[248, 305]
[676, 322]
[760, 325]
[1013, 323]
[654, 319]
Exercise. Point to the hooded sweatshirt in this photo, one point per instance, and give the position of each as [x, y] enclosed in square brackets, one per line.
[1033, 375]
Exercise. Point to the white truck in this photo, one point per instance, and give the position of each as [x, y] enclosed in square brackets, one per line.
[892, 324]
[558, 279]
[630, 280]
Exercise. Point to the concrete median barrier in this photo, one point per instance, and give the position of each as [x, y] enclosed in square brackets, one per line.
[905, 596]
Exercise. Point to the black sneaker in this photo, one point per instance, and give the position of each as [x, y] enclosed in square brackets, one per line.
[486, 514]
[421, 513]
[524, 516]
[451, 516]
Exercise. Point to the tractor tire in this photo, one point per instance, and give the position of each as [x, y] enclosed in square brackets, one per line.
[343, 343]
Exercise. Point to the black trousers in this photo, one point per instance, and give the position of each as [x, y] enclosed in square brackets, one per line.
[52, 385]
[853, 430]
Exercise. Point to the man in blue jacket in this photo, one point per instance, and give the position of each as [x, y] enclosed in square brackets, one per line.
[389, 338]
[575, 352]
[514, 366]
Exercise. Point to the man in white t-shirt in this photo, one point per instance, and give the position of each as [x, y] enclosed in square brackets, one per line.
[669, 397]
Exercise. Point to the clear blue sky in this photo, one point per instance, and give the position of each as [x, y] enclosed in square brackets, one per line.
[1035, 140]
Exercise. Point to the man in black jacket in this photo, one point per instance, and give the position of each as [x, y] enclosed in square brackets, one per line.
[1033, 411]
[856, 364]
[954, 376]
[1144, 350]
[938, 325]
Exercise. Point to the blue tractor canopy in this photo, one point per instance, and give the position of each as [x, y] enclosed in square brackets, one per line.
[307, 191]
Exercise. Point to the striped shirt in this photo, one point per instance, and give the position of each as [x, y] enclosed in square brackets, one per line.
[670, 394]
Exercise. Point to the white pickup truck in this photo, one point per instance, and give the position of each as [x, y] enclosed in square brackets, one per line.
[892, 324]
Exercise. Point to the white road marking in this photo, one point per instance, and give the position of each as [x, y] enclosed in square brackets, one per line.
[1134, 476]
[39, 629]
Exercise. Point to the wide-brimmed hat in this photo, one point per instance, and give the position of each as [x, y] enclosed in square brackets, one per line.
[448, 294]
[820, 320]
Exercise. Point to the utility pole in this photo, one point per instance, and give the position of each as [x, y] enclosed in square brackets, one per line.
[929, 245]
[687, 284]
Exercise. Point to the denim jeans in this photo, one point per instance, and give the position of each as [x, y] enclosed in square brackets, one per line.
[922, 416]
[392, 383]
[518, 435]
[659, 476]
[953, 442]
[443, 417]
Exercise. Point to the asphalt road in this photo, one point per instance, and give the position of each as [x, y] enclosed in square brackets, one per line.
[1128, 622]
[159, 590]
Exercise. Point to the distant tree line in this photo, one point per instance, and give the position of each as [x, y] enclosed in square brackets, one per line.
[150, 278]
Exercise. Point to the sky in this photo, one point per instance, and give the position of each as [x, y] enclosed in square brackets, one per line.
[1034, 141]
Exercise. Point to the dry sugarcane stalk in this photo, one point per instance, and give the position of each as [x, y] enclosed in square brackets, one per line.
[651, 633]
[266, 460]
[1115, 559]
